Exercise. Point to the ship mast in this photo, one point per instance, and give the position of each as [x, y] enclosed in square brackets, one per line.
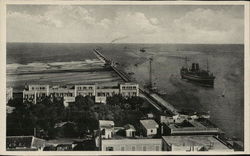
[150, 73]
[186, 62]
[207, 65]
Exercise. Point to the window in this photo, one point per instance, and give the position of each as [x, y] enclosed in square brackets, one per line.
[109, 148]
[152, 131]
[122, 148]
[103, 132]
[133, 148]
[144, 148]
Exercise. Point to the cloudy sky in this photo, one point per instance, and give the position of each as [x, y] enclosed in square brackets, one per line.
[125, 24]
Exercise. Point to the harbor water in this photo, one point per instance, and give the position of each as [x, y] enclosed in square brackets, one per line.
[224, 102]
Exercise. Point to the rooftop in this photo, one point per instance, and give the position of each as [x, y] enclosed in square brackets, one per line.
[106, 123]
[149, 124]
[195, 140]
[138, 141]
[129, 126]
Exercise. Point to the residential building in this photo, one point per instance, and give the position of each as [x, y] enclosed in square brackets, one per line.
[189, 127]
[135, 144]
[124, 139]
[149, 127]
[193, 143]
[85, 90]
[59, 91]
[129, 89]
[67, 100]
[106, 129]
[21, 143]
[34, 93]
[102, 92]
[9, 94]
[129, 130]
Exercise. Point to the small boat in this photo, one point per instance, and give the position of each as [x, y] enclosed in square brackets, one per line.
[142, 50]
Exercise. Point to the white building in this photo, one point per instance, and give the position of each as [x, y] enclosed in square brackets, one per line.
[9, 94]
[149, 127]
[129, 130]
[193, 143]
[102, 92]
[129, 89]
[85, 90]
[106, 129]
[67, 100]
[34, 93]
[139, 144]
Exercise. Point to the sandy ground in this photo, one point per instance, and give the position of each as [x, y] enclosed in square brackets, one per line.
[18, 75]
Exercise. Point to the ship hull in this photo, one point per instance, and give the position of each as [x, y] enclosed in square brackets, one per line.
[205, 81]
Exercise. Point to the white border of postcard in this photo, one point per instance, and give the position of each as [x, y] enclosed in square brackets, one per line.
[3, 4]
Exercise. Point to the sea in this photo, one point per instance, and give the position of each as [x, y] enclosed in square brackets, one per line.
[224, 102]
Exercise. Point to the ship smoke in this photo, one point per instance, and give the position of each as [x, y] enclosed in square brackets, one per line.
[118, 39]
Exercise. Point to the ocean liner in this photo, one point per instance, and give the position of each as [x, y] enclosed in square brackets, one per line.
[195, 74]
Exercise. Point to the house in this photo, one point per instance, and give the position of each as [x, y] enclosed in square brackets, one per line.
[106, 128]
[27, 143]
[67, 100]
[9, 94]
[126, 144]
[193, 143]
[129, 130]
[149, 127]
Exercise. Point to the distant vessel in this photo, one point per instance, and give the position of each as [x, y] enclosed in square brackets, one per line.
[195, 74]
[142, 50]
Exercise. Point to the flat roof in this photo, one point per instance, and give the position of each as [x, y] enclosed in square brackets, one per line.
[149, 124]
[195, 140]
[106, 123]
[128, 83]
[138, 141]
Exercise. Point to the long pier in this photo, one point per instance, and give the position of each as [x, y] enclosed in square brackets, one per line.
[159, 103]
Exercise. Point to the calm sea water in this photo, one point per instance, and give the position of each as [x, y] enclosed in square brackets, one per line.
[225, 101]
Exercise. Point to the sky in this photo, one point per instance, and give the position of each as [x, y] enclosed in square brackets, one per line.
[126, 23]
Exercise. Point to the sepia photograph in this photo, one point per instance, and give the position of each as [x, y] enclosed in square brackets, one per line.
[123, 77]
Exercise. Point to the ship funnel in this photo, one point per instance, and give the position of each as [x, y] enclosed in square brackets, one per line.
[197, 66]
[193, 67]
